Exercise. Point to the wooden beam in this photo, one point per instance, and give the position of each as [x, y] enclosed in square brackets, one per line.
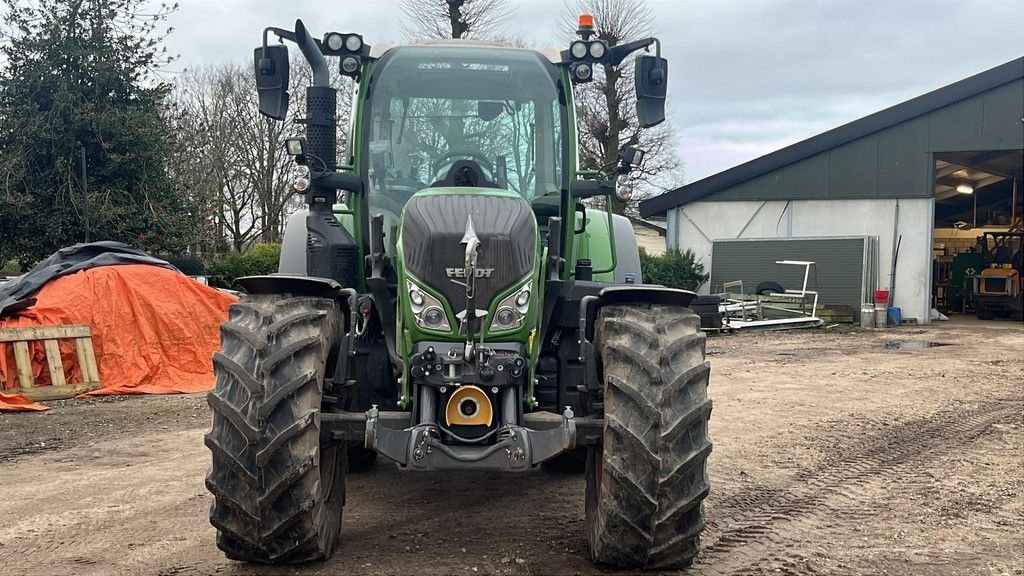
[23, 363]
[43, 393]
[54, 363]
[44, 332]
[87, 361]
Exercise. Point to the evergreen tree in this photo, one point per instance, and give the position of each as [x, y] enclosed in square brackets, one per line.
[86, 73]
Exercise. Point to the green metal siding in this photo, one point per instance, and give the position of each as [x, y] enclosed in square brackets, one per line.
[902, 168]
[838, 274]
[956, 127]
[894, 162]
[1002, 103]
[854, 169]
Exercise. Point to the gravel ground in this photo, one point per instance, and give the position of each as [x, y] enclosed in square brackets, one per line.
[836, 452]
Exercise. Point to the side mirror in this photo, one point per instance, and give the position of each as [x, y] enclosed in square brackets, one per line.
[651, 87]
[271, 63]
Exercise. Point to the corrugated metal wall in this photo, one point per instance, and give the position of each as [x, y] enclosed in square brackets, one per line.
[895, 162]
[841, 274]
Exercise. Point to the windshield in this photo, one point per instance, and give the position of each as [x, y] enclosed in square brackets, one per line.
[457, 116]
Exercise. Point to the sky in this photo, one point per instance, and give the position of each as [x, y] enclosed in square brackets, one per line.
[746, 77]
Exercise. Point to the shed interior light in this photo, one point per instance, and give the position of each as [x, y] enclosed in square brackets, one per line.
[965, 189]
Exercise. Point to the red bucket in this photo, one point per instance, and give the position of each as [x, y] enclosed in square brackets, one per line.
[881, 296]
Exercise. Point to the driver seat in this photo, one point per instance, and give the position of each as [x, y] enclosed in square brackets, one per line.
[465, 173]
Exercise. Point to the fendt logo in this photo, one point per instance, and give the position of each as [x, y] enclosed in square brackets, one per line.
[461, 272]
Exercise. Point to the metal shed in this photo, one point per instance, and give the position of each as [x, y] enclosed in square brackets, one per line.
[879, 176]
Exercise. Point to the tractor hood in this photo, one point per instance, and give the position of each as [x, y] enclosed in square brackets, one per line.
[434, 225]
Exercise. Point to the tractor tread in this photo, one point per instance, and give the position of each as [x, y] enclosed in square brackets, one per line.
[278, 494]
[646, 509]
[237, 371]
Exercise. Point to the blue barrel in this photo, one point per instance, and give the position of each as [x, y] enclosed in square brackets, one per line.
[895, 316]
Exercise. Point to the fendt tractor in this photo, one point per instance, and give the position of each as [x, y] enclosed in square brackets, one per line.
[448, 301]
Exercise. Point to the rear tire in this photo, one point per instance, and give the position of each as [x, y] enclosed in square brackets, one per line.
[646, 486]
[278, 493]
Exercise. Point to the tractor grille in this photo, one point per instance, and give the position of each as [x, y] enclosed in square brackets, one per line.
[432, 231]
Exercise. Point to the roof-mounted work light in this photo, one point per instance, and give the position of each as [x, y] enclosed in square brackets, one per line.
[583, 54]
[350, 48]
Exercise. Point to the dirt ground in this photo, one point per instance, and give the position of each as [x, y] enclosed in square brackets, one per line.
[834, 454]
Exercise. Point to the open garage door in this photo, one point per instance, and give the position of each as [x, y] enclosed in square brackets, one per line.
[979, 224]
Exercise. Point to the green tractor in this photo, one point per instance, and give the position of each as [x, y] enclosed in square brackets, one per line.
[448, 302]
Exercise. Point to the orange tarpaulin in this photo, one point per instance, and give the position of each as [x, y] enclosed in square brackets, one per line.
[18, 403]
[154, 330]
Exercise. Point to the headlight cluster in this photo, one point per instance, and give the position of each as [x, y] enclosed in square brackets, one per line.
[584, 55]
[511, 311]
[428, 311]
[349, 47]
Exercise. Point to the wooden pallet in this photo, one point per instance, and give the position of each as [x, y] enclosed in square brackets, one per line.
[50, 335]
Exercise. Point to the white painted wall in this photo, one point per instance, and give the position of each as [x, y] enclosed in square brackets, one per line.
[698, 224]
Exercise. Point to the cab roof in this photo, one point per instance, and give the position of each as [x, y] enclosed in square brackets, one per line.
[554, 56]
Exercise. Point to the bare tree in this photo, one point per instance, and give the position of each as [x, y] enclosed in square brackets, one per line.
[234, 158]
[480, 19]
[606, 107]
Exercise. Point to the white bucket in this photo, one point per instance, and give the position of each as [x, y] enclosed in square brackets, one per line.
[867, 316]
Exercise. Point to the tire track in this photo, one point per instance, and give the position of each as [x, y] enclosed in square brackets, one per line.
[757, 526]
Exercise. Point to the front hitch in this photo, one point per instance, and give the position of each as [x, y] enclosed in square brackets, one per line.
[517, 449]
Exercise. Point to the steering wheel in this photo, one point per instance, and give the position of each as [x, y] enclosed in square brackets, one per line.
[475, 155]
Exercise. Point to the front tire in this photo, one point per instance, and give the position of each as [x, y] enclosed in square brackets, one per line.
[278, 493]
[646, 485]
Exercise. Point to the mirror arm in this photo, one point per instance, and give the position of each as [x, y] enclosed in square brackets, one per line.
[309, 48]
[591, 174]
[340, 181]
[616, 54]
[592, 188]
[279, 32]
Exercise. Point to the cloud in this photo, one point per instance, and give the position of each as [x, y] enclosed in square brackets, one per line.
[746, 76]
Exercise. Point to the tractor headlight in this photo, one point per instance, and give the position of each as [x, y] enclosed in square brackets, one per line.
[582, 72]
[512, 310]
[523, 298]
[434, 318]
[578, 49]
[354, 43]
[335, 41]
[427, 310]
[350, 65]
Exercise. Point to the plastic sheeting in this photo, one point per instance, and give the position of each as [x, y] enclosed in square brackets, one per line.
[16, 294]
[154, 330]
[18, 403]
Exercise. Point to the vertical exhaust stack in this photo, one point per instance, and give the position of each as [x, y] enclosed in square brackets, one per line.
[331, 251]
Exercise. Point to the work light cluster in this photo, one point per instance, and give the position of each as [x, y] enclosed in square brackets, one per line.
[583, 55]
[349, 47]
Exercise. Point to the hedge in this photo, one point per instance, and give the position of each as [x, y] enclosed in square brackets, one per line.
[674, 269]
[261, 259]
